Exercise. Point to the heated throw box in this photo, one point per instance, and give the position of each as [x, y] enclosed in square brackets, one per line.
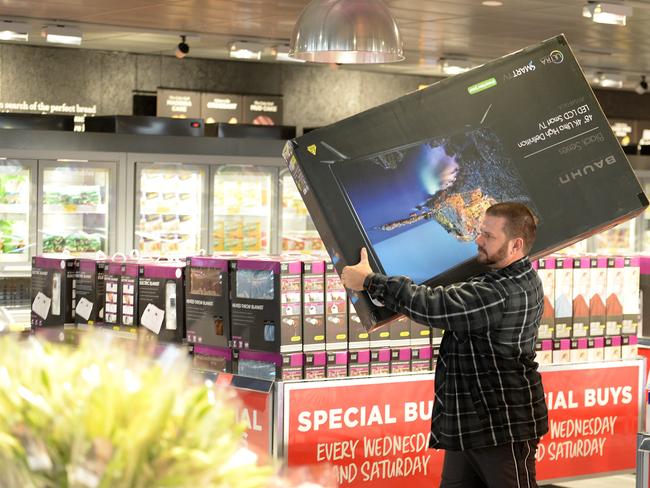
[423, 169]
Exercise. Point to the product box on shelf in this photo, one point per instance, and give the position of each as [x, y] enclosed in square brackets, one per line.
[629, 347]
[613, 347]
[266, 304]
[337, 364]
[161, 299]
[315, 365]
[544, 351]
[211, 358]
[313, 299]
[270, 366]
[121, 279]
[615, 291]
[563, 297]
[597, 295]
[336, 311]
[400, 332]
[579, 351]
[380, 337]
[631, 299]
[421, 334]
[561, 351]
[421, 358]
[596, 348]
[581, 275]
[380, 360]
[53, 297]
[207, 301]
[90, 291]
[546, 272]
[358, 337]
[359, 362]
[411, 187]
[400, 359]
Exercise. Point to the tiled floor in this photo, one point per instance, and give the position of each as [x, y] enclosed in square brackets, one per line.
[618, 481]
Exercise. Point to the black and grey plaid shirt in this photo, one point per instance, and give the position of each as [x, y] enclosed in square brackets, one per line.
[487, 391]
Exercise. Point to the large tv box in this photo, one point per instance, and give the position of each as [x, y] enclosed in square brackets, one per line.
[410, 180]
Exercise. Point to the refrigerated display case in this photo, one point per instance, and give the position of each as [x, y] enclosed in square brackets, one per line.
[170, 215]
[77, 206]
[242, 208]
[298, 230]
[17, 213]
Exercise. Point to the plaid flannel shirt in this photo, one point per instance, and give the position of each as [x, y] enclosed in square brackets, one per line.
[488, 391]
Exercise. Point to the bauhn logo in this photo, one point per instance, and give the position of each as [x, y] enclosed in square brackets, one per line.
[586, 169]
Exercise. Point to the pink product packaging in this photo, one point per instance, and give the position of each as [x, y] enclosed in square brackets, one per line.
[631, 298]
[400, 360]
[421, 358]
[613, 348]
[596, 349]
[597, 296]
[544, 351]
[337, 364]
[561, 351]
[313, 299]
[614, 300]
[315, 365]
[581, 277]
[359, 362]
[630, 347]
[380, 361]
[579, 352]
[563, 297]
[546, 272]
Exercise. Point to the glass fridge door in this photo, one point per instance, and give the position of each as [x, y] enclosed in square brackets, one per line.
[77, 202]
[17, 214]
[170, 218]
[619, 240]
[242, 208]
[298, 230]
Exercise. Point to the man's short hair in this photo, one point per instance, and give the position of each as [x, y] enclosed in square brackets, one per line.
[520, 221]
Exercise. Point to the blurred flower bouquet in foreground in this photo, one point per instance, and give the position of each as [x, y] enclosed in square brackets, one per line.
[101, 415]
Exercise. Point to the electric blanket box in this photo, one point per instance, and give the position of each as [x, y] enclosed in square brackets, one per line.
[336, 311]
[410, 180]
[615, 291]
[546, 272]
[266, 304]
[400, 360]
[400, 332]
[207, 305]
[597, 296]
[313, 299]
[52, 296]
[90, 291]
[315, 365]
[161, 299]
[544, 351]
[581, 276]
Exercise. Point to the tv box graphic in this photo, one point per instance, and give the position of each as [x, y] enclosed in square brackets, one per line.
[411, 179]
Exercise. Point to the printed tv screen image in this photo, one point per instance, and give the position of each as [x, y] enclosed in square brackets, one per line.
[420, 206]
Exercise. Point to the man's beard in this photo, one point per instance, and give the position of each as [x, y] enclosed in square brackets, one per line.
[491, 259]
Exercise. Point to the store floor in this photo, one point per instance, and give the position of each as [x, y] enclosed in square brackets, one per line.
[618, 481]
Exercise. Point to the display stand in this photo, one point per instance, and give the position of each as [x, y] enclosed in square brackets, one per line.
[374, 430]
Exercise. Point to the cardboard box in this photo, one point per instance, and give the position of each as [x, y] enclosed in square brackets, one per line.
[526, 127]
[380, 361]
[266, 304]
[546, 272]
[337, 364]
[336, 311]
[597, 295]
[615, 291]
[112, 300]
[207, 301]
[359, 362]
[209, 358]
[90, 291]
[563, 297]
[161, 299]
[421, 334]
[613, 348]
[561, 351]
[380, 337]
[400, 332]
[579, 351]
[121, 302]
[631, 299]
[400, 360]
[629, 347]
[596, 349]
[313, 298]
[53, 297]
[581, 276]
[358, 337]
[544, 351]
[315, 365]
[420, 358]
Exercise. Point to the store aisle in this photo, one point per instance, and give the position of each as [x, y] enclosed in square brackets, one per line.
[619, 481]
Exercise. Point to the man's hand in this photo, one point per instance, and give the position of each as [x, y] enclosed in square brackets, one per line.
[354, 276]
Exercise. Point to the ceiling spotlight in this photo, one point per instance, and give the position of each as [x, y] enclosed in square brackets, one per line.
[245, 50]
[182, 49]
[607, 13]
[346, 32]
[62, 34]
[642, 87]
[14, 31]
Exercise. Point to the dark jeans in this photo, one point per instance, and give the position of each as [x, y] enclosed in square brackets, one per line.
[507, 466]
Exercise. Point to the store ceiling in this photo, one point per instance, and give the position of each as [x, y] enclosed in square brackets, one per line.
[430, 29]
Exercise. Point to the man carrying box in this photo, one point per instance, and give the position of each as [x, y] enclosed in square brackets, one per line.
[489, 410]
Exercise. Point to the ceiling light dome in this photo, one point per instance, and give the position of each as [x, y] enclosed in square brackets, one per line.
[346, 32]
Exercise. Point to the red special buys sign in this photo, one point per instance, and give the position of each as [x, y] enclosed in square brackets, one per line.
[375, 431]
